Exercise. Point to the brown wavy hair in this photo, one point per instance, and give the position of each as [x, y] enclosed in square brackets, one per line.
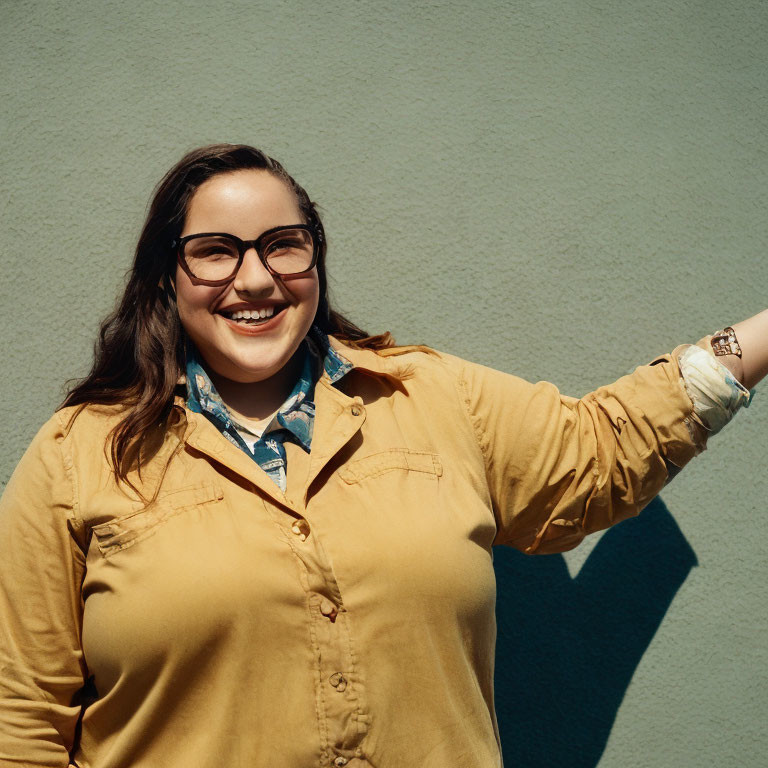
[139, 354]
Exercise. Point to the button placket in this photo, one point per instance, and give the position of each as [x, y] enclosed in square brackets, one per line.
[338, 697]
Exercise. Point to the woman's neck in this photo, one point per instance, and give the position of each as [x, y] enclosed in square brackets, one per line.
[253, 402]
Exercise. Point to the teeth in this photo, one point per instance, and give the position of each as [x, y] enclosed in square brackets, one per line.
[251, 314]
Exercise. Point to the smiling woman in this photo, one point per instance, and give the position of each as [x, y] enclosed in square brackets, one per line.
[256, 535]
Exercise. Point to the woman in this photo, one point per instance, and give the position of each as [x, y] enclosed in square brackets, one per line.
[256, 536]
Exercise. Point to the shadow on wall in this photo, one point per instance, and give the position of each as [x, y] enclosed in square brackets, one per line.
[567, 648]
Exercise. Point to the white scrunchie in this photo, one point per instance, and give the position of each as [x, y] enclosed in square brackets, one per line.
[715, 392]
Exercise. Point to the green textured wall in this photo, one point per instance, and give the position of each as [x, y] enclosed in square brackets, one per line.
[559, 189]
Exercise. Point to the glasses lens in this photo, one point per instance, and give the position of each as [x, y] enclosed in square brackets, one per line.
[289, 251]
[211, 258]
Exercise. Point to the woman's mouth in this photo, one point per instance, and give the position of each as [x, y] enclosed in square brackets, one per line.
[253, 316]
[252, 319]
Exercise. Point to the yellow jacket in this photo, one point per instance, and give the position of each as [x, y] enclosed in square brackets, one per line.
[347, 621]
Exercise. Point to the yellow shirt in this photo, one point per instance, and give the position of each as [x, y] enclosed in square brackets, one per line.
[349, 621]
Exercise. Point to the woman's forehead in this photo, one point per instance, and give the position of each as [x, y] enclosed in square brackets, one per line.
[246, 198]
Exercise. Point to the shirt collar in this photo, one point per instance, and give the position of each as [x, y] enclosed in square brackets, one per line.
[335, 363]
[391, 362]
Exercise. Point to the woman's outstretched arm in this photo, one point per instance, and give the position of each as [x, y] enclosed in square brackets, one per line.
[560, 468]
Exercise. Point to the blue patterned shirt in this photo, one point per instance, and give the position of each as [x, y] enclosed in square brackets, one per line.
[294, 419]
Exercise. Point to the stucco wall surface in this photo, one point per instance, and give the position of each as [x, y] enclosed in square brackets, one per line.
[559, 189]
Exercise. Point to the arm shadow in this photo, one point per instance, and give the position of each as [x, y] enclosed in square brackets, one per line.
[567, 648]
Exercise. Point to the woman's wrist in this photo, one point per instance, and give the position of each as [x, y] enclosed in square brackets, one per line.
[752, 335]
[731, 361]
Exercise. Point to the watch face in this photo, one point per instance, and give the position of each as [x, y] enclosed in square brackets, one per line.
[724, 343]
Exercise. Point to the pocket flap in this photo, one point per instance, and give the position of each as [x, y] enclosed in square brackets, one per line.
[122, 532]
[385, 461]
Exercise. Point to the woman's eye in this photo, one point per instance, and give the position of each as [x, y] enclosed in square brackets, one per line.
[281, 245]
[214, 251]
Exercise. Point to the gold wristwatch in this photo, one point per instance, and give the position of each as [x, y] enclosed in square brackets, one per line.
[724, 342]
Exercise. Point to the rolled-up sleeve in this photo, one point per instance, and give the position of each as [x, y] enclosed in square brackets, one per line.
[41, 570]
[713, 389]
[559, 468]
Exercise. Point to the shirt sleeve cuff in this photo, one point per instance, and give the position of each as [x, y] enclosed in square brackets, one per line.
[713, 389]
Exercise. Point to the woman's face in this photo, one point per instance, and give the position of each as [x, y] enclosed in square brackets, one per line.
[246, 203]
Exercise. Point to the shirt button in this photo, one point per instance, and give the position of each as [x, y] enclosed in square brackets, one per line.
[340, 761]
[327, 608]
[338, 681]
[301, 529]
[356, 410]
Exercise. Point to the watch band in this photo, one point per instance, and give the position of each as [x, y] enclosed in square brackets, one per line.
[725, 343]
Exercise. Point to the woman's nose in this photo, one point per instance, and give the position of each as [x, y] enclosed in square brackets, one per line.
[253, 277]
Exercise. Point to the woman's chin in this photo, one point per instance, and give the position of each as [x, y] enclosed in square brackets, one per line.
[251, 368]
[249, 374]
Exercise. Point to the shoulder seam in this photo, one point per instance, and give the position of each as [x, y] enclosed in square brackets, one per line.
[68, 464]
[464, 397]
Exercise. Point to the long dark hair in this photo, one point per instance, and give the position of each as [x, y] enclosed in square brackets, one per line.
[139, 354]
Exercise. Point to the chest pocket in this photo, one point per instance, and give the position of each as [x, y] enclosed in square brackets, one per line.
[387, 461]
[123, 532]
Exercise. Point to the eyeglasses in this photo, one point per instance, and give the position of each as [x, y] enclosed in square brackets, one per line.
[213, 258]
